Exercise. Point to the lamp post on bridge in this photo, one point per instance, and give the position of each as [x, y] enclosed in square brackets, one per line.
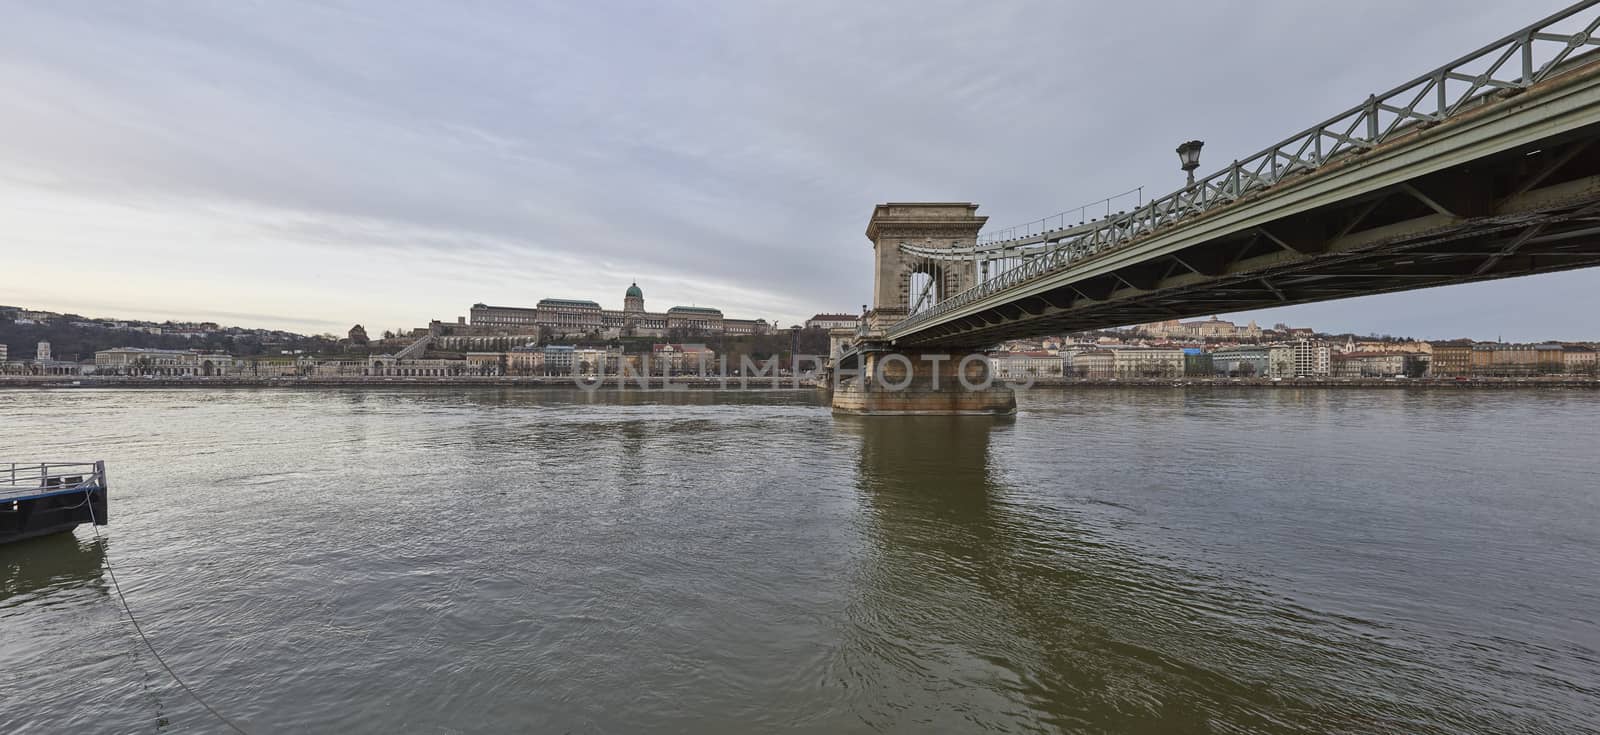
[1189, 156]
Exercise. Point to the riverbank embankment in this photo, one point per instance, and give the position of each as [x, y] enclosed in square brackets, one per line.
[685, 382]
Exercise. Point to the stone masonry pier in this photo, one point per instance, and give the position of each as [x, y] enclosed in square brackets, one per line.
[922, 383]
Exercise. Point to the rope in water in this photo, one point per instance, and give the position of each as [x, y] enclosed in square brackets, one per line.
[139, 629]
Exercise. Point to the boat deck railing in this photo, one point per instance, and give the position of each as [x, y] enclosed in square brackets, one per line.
[29, 480]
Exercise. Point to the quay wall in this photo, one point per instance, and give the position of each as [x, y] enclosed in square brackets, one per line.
[767, 383]
[677, 382]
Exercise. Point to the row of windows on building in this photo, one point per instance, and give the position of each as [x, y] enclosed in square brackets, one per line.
[584, 317]
[1301, 359]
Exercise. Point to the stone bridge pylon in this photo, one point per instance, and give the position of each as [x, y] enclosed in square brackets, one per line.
[896, 291]
[877, 377]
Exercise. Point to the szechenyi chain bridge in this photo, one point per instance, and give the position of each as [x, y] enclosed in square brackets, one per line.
[1482, 168]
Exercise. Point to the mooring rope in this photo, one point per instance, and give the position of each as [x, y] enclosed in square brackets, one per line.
[106, 559]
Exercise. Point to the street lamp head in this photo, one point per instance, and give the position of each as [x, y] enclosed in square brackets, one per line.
[1189, 154]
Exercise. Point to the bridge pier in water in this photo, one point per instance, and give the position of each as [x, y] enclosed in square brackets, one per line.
[886, 378]
[922, 382]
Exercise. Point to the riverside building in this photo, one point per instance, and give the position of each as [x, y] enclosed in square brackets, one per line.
[585, 318]
[832, 321]
[1018, 365]
[1147, 362]
[1312, 358]
[163, 363]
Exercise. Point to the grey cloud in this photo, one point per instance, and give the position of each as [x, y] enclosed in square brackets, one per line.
[737, 145]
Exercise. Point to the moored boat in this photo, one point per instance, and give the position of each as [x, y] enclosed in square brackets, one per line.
[42, 498]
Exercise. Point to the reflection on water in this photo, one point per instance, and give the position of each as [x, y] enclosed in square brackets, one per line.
[1010, 608]
[969, 586]
[464, 560]
[37, 567]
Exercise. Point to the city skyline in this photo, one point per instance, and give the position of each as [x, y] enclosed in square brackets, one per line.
[1223, 328]
[330, 168]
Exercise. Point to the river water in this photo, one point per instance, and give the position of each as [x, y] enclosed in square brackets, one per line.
[1147, 560]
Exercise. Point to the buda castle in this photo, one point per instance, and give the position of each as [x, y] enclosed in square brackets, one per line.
[583, 318]
[1212, 328]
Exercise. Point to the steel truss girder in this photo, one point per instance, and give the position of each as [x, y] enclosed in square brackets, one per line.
[1308, 278]
[1554, 49]
[1511, 212]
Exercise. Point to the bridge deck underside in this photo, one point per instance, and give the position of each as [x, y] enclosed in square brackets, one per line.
[1532, 209]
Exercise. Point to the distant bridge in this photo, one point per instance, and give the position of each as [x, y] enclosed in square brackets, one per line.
[1483, 168]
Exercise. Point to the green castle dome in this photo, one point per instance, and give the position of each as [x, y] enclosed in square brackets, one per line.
[634, 292]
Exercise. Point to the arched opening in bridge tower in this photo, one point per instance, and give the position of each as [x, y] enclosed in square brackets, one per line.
[926, 287]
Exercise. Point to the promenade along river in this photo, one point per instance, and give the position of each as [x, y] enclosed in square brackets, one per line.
[1156, 560]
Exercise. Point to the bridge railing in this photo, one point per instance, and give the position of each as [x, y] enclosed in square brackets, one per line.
[26, 478]
[1065, 219]
[1506, 66]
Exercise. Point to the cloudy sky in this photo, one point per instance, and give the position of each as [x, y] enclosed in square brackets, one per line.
[307, 166]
